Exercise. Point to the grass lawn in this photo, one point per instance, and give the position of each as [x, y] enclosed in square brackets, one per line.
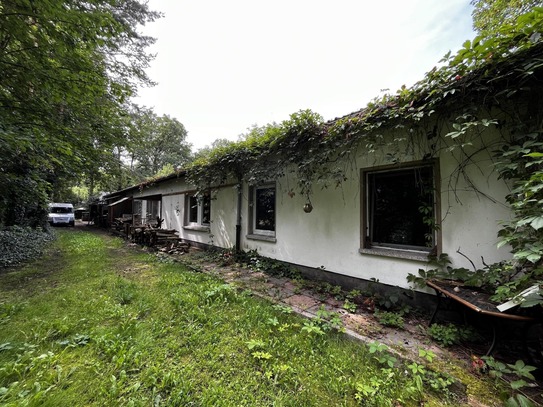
[94, 323]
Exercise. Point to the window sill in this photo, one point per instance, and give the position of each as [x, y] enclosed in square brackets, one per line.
[261, 237]
[397, 253]
[197, 228]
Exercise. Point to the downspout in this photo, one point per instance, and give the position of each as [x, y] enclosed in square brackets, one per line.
[238, 217]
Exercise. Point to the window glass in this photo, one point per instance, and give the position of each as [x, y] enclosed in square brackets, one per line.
[153, 209]
[401, 208]
[198, 209]
[206, 209]
[57, 209]
[193, 209]
[264, 204]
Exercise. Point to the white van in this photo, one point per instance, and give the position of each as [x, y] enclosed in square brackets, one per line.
[61, 214]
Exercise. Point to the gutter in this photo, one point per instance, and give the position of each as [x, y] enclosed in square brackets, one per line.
[238, 217]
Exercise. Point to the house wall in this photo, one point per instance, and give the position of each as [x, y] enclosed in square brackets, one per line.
[221, 231]
[329, 238]
[471, 206]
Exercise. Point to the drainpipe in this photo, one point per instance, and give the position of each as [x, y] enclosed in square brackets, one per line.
[238, 218]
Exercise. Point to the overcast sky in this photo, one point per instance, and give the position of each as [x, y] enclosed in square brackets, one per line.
[222, 66]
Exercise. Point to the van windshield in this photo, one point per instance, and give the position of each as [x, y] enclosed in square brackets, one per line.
[56, 209]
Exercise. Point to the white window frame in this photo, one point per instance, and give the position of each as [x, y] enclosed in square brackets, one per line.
[200, 202]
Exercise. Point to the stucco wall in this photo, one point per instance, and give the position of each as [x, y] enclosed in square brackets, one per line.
[471, 206]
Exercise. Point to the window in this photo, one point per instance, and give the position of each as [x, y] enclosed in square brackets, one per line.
[263, 210]
[198, 210]
[152, 210]
[399, 209]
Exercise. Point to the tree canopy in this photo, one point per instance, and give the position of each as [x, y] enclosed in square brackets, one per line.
[156, 142]
[68, 69]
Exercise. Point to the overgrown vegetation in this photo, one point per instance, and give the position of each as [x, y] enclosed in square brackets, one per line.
[68, 71]
[489, 84]
[116, 327]
[19, 244]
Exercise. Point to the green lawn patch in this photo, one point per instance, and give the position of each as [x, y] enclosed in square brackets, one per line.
[95, 323]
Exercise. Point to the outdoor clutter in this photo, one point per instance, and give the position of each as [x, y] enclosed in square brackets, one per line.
[150, 234]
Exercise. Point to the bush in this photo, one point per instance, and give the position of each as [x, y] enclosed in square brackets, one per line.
[19, 244]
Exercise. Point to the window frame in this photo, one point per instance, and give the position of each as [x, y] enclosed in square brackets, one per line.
[254, 231]
[201, 201]
[367, 246]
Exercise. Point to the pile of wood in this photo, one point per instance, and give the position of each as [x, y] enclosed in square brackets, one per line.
[178, 247]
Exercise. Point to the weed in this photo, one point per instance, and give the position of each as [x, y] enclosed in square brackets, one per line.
[172, 336]
[8, 310]
[388, 318]
[261, 355]
[351, 295]
[520, 371]
[255, 343]
[125, 292]
[448, 335]
[381, 354]
[349, 306]
[254, 261]
[75, 341]
[285, 309]
[220, 293]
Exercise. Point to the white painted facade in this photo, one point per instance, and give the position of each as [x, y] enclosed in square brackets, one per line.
[471, 205]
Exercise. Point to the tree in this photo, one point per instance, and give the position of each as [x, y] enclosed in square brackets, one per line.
[156, 142]
[68, 67]
[490, 15]
[215, 145]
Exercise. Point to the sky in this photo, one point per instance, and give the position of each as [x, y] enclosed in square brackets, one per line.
[224, 66]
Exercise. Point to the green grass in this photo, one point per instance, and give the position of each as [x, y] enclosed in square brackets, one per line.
[94, 323]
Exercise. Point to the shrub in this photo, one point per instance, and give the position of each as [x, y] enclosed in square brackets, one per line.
[19, 244]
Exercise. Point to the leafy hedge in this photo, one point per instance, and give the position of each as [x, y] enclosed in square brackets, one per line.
[18, 244]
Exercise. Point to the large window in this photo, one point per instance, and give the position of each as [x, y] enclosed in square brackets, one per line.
[399, 209]
[198, 210]
[263, 210]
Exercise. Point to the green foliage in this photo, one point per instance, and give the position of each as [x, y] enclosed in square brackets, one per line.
[518, 370]
[349, 306]
[489, 16]
[318, 153]
[159, 334]
[18, 244]
[256, 262]
[157, 144]
[389, 318]
[67, 73]
[503, 280]
[325, 321]
[420, 377]
[448, 335]
[522, 161]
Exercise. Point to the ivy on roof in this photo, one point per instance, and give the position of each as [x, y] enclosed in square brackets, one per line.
[309, 147]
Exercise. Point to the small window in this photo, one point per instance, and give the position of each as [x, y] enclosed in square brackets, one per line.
[263, 210]
[399, 209]
[198, 210]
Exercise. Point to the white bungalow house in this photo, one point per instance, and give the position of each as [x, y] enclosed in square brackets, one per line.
[404, 193]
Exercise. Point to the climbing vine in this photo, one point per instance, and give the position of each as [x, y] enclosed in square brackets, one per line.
[479, 75]
[484, 85]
